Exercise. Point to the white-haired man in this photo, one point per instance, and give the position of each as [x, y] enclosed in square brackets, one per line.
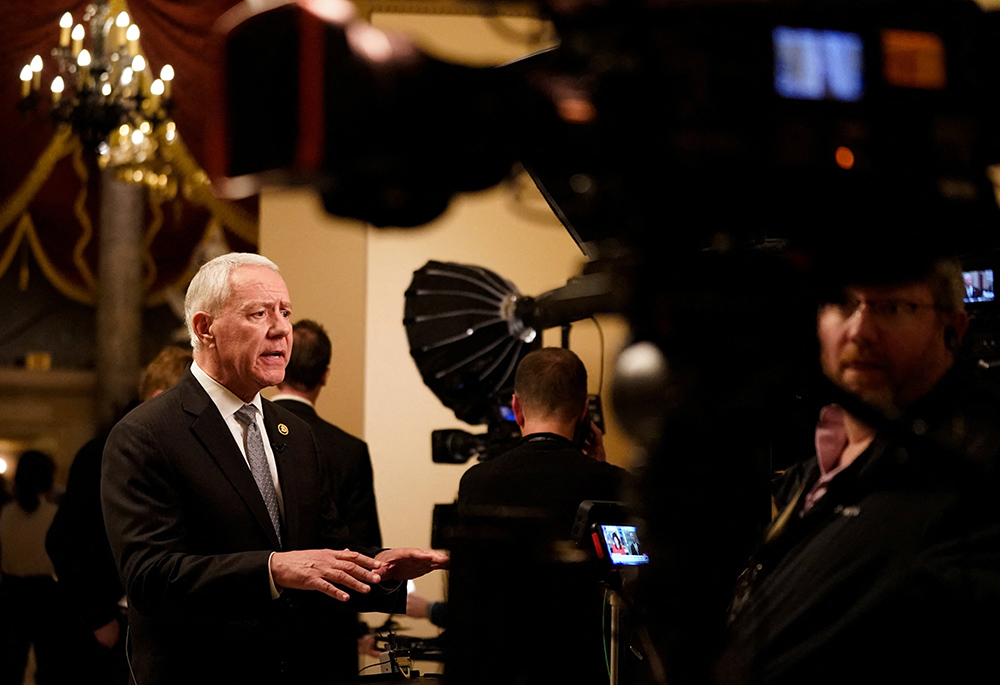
[223, 529]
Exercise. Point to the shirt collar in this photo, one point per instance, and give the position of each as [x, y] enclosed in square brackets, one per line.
[831, 437]
[294, 398]
[552, 438]
[223, 398]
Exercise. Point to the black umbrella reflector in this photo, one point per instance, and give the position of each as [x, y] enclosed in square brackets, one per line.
[464, 336]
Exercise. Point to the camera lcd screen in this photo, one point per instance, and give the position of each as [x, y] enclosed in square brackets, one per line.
[818, 64]
[621, 544]
[979, 285]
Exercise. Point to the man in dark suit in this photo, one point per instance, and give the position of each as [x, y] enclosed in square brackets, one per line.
[219, 513]
[542, 481]
[346, 456]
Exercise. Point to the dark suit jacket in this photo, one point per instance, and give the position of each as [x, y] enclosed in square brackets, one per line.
[78, 544]
[350, 468]
[545, 472]
[544, 478]
[192, 538]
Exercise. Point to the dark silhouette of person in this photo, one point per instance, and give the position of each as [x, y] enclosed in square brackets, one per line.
[78, 546]
[30, 611]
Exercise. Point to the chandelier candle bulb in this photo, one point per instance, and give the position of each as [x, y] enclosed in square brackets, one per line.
[57, 89]
[36, 72]
[26, 76]
[132, 36]
[78, 34]
[155, 93]
[139, 69]
[83, 61]
[126, 82]
[167, 76]
[121, 25]
[65, 25]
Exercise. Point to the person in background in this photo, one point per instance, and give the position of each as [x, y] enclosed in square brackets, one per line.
[546, 475]
[30, 611]
[547, 469]
[884, 563]
[346, 457]
[78, 545]
[421, 607]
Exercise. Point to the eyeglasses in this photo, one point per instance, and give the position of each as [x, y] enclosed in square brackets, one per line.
[885, 312]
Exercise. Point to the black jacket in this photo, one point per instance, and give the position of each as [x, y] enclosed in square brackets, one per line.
[350, 468]
[520, 609]
[894, 574]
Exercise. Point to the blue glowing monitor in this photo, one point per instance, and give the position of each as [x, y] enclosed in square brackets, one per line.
[818, 64]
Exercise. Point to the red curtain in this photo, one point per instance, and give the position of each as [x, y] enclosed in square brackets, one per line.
[59, 221]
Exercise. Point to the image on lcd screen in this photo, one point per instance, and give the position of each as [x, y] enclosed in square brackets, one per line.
[979, 285]
[622, 543]
[818, 64]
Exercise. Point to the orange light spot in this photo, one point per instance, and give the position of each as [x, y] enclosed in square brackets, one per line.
[844, 157]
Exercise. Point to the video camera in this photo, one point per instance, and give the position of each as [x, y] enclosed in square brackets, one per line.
[982, 341]
[453, 446]
[516, 573]
[611, 535]
[660, 124]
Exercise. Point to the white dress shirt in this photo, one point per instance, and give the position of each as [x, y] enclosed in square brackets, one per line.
[228, 404]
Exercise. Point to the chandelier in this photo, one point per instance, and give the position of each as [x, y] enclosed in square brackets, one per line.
[106, 91]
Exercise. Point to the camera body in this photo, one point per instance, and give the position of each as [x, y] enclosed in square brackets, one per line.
[595, 414]
[455, 446]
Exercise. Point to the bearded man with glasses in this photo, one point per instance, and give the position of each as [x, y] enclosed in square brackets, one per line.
[883, 564]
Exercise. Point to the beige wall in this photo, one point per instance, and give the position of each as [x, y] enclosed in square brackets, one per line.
[353, 280]
[323, 260]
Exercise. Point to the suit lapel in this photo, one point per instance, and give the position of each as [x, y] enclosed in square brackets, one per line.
[213, 432]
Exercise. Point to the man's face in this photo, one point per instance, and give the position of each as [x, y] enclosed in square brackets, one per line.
[250, 340]
[890, 349]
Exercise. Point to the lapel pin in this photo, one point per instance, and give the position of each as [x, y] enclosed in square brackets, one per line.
[283, 429]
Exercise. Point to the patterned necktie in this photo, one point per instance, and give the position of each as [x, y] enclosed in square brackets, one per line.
[258, 464]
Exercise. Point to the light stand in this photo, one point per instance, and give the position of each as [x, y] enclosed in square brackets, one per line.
[615, 603]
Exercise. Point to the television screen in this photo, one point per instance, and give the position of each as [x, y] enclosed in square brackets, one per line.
[622, 545]
[818, 64]
[979, 285]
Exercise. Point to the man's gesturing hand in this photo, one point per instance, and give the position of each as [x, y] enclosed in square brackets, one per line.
[405, 563]
[317, 569]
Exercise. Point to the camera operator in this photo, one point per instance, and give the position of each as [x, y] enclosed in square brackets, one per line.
[546, 468]
[550, 473]
[883, 562]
